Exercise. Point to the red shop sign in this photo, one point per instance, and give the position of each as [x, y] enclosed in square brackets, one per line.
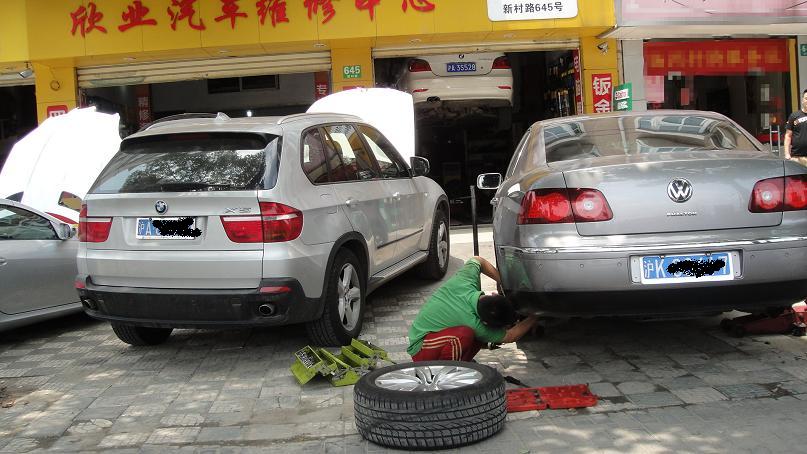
[601, 89]
[708, 58]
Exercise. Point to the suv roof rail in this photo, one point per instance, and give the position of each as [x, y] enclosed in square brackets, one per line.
[186, 116]
[300, 116]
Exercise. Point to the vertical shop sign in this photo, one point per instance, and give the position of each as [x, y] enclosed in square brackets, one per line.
[623, 97]
[321, 88]
[143, 95]
[601, 85]
[351, 72]
[578, 82]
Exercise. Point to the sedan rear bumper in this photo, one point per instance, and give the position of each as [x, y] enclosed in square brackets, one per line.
[602, 281]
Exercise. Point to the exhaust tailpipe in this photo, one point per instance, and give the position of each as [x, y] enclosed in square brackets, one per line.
[267, 310]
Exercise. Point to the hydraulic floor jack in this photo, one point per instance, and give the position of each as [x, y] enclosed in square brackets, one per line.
[792, 321]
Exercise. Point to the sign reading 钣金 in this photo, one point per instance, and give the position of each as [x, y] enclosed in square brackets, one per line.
[601, 86]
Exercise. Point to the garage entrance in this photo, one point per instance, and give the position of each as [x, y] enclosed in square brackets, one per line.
[464, 125]
[239, 87]
[17, 116]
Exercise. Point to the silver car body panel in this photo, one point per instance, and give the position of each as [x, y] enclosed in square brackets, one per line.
[36, 276]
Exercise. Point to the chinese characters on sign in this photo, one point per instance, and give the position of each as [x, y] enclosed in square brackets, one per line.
[55, 111]
[143, 93]
[502, 10]
[601, 85]
[351, 72]
[623, 97]
[578, 82]
[86, 19]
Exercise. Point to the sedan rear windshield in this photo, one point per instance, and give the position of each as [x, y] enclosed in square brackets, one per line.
[195, 162]
[630, 135]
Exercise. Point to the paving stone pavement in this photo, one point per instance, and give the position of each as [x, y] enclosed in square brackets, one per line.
[678, 386]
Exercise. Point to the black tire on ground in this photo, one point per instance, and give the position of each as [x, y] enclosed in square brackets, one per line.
[432, 268]
[141, 335]
[331, 329]
[435, 419]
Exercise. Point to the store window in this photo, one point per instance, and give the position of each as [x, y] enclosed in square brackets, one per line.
[746, 80]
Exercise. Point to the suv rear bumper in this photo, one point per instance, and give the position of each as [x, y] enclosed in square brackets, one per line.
[189, 308]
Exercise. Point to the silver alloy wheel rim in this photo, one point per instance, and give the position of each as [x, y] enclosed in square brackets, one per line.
[442, 245]
[428, 378]
[349, 296]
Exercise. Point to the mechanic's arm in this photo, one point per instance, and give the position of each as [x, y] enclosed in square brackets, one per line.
[520, 329]
[488, 269]
[788, 141]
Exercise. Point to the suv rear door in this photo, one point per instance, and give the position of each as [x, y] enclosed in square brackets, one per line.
[201, 188]
[408, 200]
[367, 201]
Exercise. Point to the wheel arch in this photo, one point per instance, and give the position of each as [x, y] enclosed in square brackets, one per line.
[355, 243]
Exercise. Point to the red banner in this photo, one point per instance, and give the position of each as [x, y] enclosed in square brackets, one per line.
[710, 58]
[321, 84]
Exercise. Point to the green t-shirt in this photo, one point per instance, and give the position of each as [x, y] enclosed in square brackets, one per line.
[453, 304]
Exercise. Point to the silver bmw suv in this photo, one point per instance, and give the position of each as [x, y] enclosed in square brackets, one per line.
[217, 222]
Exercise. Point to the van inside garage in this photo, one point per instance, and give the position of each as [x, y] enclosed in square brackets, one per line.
[466, 136]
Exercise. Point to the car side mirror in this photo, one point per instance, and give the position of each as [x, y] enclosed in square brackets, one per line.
[489, 181]
[420, 166]
[65, 231]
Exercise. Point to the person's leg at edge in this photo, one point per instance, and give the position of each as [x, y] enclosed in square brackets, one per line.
[457, 343]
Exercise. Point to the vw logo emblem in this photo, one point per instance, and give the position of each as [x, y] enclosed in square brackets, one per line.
[161, 207]
[679, 190]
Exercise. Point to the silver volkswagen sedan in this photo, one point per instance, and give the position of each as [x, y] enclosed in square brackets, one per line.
[660, 213]
[37, 266]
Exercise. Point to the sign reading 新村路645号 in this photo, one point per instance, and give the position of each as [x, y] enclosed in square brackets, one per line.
[503, 10]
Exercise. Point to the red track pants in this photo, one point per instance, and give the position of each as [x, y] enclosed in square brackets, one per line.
[457, 343]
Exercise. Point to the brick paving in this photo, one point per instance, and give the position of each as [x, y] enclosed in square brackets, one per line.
[681, 386]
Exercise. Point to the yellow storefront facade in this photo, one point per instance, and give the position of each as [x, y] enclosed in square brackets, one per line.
[70, 43]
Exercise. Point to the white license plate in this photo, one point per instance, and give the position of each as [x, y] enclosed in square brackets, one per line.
[672, 269]
[467, 67]
[177, 228]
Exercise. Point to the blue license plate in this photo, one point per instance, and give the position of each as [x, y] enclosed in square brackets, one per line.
[461, 67]
[670, 269]
[147, 231]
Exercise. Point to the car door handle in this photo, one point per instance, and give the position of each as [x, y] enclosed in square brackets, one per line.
[397, 195]
[349, 201]
[494, 201]
[3, 261]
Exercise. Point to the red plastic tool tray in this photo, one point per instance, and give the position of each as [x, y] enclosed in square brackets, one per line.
[553, 397]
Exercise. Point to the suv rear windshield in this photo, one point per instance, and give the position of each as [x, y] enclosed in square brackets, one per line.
[642, 134]
[191, 162]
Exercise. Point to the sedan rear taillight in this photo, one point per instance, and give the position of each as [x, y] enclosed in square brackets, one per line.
[561, 205]
[416, 65]
[779, 194]
[277, 223]
[501, 63]
[93, 229]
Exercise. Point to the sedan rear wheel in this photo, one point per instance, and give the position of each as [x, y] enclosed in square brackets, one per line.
[141, 335]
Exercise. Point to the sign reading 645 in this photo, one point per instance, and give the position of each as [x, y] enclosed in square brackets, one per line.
[351, 72]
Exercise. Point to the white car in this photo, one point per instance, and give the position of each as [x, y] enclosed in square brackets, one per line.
[459, 77]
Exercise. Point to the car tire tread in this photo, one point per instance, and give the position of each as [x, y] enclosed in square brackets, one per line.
[430, 419]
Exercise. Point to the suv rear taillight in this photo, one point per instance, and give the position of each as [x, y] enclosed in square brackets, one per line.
[277, 223]
[416, 65]
[561, 205]
[501, 63]
[92, 229]
[779, 194]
